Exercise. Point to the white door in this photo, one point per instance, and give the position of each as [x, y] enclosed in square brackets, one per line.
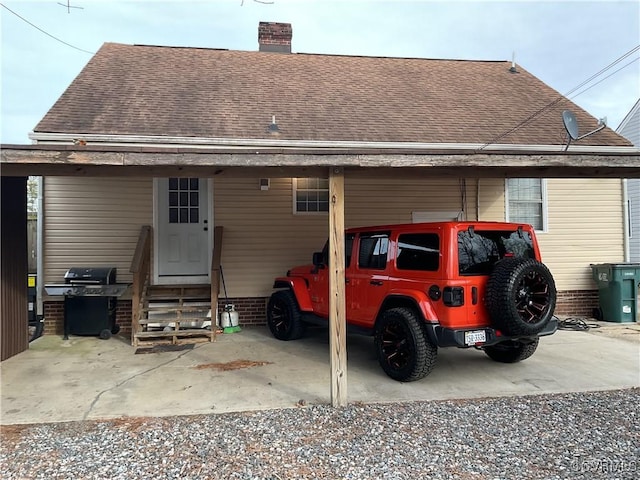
[183, 239]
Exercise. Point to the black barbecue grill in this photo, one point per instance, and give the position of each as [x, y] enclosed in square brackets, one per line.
[90, 300]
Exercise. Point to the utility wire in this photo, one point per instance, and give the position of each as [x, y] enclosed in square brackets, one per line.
[561, 97]
[603, 79]
[46, 33]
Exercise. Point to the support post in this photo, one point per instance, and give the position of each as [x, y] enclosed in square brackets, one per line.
[337, 303]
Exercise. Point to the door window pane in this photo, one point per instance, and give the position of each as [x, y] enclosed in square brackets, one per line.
[184, 200]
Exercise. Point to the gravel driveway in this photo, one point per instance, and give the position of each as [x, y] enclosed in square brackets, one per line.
[580, 435]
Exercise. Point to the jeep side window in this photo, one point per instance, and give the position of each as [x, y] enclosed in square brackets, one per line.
[373, 251]
[418, 251]
[348, 249]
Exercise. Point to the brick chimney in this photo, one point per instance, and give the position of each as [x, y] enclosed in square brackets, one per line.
[275, 37]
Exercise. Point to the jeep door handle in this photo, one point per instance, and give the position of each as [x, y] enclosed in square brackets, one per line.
[347, 281]
[377, 283]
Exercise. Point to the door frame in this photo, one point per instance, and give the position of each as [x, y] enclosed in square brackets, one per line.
[176, 279]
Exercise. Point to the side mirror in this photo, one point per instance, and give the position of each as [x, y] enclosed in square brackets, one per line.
[318, 260]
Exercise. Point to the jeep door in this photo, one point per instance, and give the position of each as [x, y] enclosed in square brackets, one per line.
[319, 280]
[367, 278]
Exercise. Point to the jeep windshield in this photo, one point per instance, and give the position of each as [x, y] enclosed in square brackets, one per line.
[479, 250]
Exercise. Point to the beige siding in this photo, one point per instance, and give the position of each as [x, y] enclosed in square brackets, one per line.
[91, 221]
[263, 238]
[96, 221]
[584, 225]
[492, 207]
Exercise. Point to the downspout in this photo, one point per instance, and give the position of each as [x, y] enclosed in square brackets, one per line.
[625, 217]
[40, 250]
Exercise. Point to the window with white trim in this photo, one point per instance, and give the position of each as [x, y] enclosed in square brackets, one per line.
[310, 195]
[526, 201]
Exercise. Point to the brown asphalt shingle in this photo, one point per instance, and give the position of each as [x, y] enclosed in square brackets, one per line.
[193, 92]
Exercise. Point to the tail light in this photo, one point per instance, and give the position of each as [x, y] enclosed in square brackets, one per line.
[453, 296]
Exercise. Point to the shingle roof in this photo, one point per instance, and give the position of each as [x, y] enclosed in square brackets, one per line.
[193, 92]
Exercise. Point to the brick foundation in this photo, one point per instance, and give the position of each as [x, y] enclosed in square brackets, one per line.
[253, 311]
[576, 303]
[54, 317]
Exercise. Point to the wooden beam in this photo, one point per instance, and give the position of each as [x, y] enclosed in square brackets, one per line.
[337, 302]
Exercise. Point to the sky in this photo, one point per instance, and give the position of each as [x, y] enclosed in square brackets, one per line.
[564, 43]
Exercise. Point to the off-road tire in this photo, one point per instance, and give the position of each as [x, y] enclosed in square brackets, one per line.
[404, 351]
[511, 352]
[521, 296]
[284, 317]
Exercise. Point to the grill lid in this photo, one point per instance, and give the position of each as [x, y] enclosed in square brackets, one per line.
[91, 275]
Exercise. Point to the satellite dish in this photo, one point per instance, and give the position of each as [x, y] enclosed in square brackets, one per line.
[571, 125]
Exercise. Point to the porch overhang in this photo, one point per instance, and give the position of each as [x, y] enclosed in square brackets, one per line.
[67, 160]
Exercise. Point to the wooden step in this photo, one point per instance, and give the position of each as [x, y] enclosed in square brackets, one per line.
[146, 321]
[185, 291]
[174, 337]
[175, 309]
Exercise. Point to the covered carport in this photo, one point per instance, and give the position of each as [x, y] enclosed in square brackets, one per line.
[20, 161]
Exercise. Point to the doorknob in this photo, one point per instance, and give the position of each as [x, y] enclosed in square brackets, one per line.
[206, 229]
[377, 283]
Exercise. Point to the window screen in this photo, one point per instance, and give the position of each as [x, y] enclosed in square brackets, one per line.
[311, 195]
[526, 201]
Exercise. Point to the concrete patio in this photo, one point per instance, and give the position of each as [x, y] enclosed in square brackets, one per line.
[87, 378]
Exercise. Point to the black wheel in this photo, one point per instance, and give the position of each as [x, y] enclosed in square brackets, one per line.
[597, 313]
[511, 352]
[284, 317]
[402, 346]
[115, 329]
[105, 334]
[35, 329]
[521, 296]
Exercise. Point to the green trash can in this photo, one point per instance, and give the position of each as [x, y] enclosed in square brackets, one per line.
[618, 285]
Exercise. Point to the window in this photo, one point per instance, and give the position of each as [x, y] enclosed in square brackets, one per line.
[373, 251]
[310, 195]
[478, 251]
[527, 202]
[348, 247]
[184, 200]
[418, 251]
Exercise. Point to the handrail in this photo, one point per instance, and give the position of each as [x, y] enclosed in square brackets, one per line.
[215, 273]
[143, 249]
[140, 267]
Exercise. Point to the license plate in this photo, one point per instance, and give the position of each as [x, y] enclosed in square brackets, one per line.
[477, 336]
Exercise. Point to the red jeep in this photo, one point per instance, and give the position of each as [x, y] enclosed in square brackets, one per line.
[417, 287]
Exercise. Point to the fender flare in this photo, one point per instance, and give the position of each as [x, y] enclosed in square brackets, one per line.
[299, 288]
[419, 298]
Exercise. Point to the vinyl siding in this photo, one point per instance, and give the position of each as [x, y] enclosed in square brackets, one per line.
[633, 189]
[263, 238]
[630, 128]
[96, 221]
[585, 225]
[492, 198]
[93, 221]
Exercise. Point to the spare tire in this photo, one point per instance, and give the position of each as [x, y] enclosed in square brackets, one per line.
[521, 296]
